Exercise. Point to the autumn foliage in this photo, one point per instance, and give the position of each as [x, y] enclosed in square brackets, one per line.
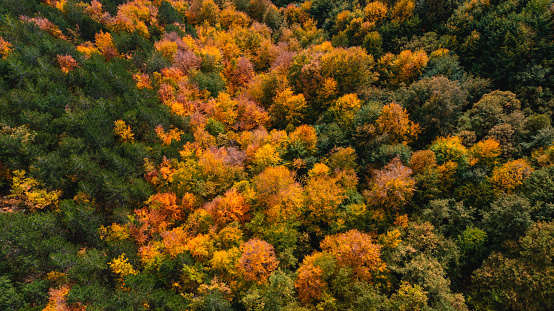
[257, 261]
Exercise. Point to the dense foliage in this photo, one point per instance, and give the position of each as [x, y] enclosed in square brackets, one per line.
[285, 155]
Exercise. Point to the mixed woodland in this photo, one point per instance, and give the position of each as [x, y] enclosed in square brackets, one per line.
[276, 155]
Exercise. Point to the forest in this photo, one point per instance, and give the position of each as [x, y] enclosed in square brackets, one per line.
[210, 155]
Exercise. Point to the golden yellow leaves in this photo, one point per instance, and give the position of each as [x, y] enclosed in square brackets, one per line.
[510, 176]
[124, 131]
[114, 232]
[121, 266]
[345, 108]
[375, 11]
[25, 191]
[104, 43]
[485, 152]
[395, 123]
[404, 67]
[134, 16]
[167, 48]
[288, 109]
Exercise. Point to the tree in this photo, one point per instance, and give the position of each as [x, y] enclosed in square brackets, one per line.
[344, 110]
[257, 261]
[522, 278]
[280, 196]
[394, 121]
[323, 194]
[392, 186]
[5, 47]
[485, 153]
[355, 250]
[508, 218]
[287, 109]
[310, 280]
[105, 45]
[233, 206]
[510, 176]
[436, 104]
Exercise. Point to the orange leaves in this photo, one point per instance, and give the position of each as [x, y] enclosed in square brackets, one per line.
[250, 116]
[323, 196]
[392, 186]
[304, 136]
[66, 62]
[231, 207]
[353, 250]
[257, 261]
[95, 11]
[167, 203]
[56, 299]
[395, 123]
[142, 81]
[422, 160]
[124, 131]
[280, 194]
[171, 135]
[45, 25]
[175, 241]
[309, 283]
[200, 247]
[5, 47]
[510, 176]
[104, 43]
[356, 250]
[162, 210]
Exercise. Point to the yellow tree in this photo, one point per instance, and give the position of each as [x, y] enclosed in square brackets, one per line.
[344, 109]
[509, 177]
[5, 48]
[105, 45]
[287, 109]
[324, 194]
[124, 131]
[394, 121]
[485, 152]
[280, 196]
